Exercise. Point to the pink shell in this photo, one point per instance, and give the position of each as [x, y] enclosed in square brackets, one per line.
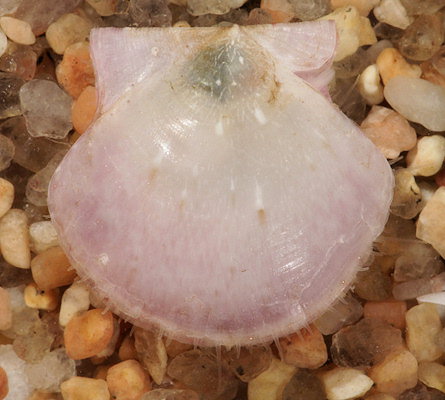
[228, 213]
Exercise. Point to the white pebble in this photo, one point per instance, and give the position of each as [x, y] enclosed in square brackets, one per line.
[17, 30]
[369, 85]
[43, 235]
[417, 100]
[427, 157]
[14, 238]
[3, 43]
[75, 300]
[392, 12]
[6, 196]
[19, 388]
[345, 383]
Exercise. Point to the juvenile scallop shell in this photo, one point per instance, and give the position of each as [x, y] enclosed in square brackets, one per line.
[219, 196]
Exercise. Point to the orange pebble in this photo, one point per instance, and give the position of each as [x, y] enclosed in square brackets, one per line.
[4, 388]
[88, 334]
[391, 311]
[75, 72]
[127, 351]
[127, 380]
[84, 109]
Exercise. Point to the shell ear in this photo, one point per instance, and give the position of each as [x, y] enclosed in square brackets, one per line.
[307, 55]
[124, 57]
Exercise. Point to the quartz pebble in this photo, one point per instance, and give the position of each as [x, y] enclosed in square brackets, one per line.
[304, 386]
[407, 200]
[432, 374]
[52, 269]
[54, 368]
[423, 38]
[364, 344]
[80, 388]
[392, 12]
[279, 10]
[157, 13]
[391, 311]
[396, 373]
[304, 10]
[19, 388]
[248, 363]
[364, 7]
[369, 85]
[88, 334]
[7, 150]
[29, 152]
[417, 100]
[75, 300]
[127, 380]
[170, 394]
[17, 30]
[389, 131]
[47, 300]
[84, 109]
[345, 383]
[200, 7]
[46, 108]
[431, 222]
[151, 350]
[6, 196]
[391, 64]
[5, 310]
[345, 312]
[75, 72]
[9, 6]
[68, 29]
[427, 157]
[373, 284]
[9, 95]
[43, 236]
[304, 349]
[423, 7]
[200, 372]
[14, 238]
[353, 31]
[422, 326]
[418, 287]
[271, 383]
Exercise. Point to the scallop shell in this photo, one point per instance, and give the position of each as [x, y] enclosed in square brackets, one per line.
[219, 195]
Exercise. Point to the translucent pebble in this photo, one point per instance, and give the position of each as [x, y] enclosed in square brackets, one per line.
[170, 394]
[43, 236]
[352, 65]
[9, 95]
[308, 10]
[11, 276]
[438, 61]
[432, 374]
[390, 311]
[68, 29]
[398, 234]
[150, 12]
[364, 344]
[389, 131]
[387, 32]
[151, 350]
[30, 153]
[248, 362]
[346, 95]
[431, 222]
[418, 101]
[46, 108]
[201, 373]
[416, 7]
[304, 386]
[396, 373]
[407, 200]
[432, 74]
[422, 326]
[54, 368]
[258, 16]
[201, 7]
[346, 311]
[19, 388]
[17, 30]
[39, 14]
[423, 38]
[418, 287]
[21, 62]
[37, 186]
[392, 12]
[373, 285]
[419, 392]
[419, 260]
[9, 6]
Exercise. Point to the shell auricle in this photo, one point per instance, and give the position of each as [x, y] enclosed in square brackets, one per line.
[219, 196]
